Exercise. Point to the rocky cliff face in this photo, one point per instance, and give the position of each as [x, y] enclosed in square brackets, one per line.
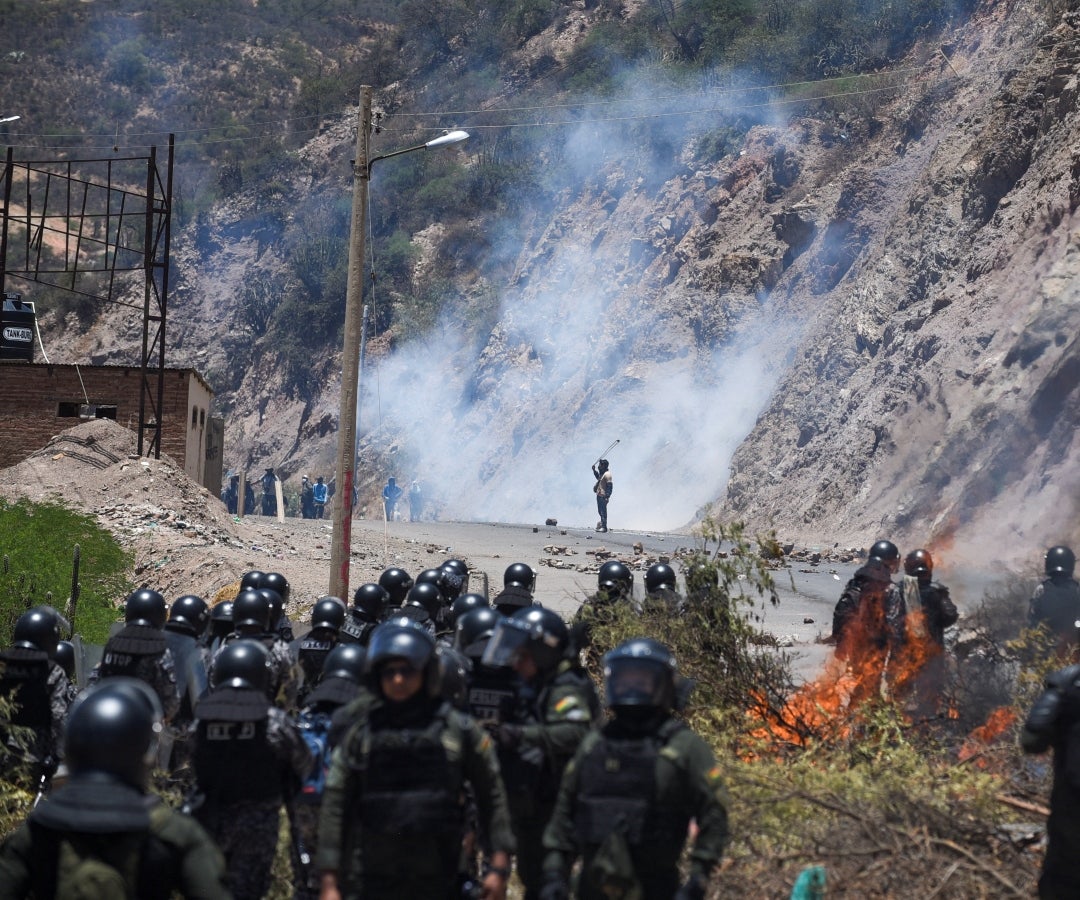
[859, 323]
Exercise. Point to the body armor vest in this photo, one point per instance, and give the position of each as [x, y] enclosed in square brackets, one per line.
[492, 696]
[311, 655]
[234, 762]
[26, 681]
[1060, 606]
[355, 630]
[618, 788]
[408, 784]
[125, 650]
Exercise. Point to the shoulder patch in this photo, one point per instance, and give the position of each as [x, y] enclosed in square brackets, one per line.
[567, 703]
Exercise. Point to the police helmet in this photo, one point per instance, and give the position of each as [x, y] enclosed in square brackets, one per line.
[427, 595]
[402, 638]
[521, 575]
[113, 727]
[660, 576]
[38, 629]
[919, 563]
[464, 604]
[640, 672]
[454, 668]
[473, 630]
[242, 664]
[252, 580]
[189, 614]
[221, 619]
[701, 577]
[539, 631]
[345, 661]
[1060, 560]
[251, 611]
[145, 607]
[371, 600]
[614, 578]
[65, 657]
[442, 580]
[277, 604]
[397, 583]
[277, 582]
[460, 568]
[328, 613]
[888, 553]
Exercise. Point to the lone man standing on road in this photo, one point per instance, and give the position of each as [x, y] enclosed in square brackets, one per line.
[602, 489]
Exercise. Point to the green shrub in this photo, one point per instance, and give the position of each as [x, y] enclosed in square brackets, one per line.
[38, 544]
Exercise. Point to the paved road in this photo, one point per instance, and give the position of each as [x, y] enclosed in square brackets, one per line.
[805, 592]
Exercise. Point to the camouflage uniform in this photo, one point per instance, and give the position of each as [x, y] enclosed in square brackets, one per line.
[392, 816]
[564, 711]
[284, 673]
[157, 669]
[869, 623]
[242, 775]
[1056, 604]
[41, 689]
[655, 781]
[101, 817]
[1052, 724]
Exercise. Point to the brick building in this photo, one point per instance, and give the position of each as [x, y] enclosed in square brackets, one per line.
[39, 400]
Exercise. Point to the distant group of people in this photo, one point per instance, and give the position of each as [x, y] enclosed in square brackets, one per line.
[313, 497]
[392, 494]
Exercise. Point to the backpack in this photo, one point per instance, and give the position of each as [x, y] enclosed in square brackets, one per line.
[104, 866]
[315, 729]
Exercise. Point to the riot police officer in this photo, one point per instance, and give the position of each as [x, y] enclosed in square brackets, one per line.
[139, 649]
[310, 651]
[631, 790]
[615, 581]
[251, 620]
[189, 619]
[368, 608]
[869, 619]
[391, 821]
[519, 588]
[397, 583]
[247, 755]
[279, 618]
[1052, 724]
[928, 612]
[662, 586]
[1056, 602]
[115, 834]
[536, 643]
[38, 689]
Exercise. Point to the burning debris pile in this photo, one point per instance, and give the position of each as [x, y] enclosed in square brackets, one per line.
[880, 770]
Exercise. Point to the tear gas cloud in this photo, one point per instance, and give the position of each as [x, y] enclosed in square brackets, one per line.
[508, 432]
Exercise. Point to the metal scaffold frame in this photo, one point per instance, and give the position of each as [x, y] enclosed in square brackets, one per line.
[79, 225]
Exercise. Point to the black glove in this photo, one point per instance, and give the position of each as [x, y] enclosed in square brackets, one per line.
[555, 888]
[509, 736]
[693, 889]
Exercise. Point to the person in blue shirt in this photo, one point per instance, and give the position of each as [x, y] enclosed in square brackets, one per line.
[391, 494]
[319, 493]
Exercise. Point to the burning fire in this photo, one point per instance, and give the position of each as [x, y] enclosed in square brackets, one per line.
[867, 666]
[996, 724]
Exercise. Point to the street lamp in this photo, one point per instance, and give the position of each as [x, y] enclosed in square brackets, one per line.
[8, 119]
[341, 509]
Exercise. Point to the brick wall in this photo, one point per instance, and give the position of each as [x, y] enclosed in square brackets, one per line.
[33, 397]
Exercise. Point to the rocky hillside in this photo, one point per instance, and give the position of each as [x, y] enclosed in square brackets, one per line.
[857, 320]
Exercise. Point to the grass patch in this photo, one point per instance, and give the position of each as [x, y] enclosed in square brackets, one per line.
[37, 550]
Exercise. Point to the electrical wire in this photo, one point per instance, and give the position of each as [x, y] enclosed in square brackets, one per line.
[902, 77]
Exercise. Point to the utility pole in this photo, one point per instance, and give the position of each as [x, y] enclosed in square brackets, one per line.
[342, 507]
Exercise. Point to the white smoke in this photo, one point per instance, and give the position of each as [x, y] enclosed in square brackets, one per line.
[509, 432]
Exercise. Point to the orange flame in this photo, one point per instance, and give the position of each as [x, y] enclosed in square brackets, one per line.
[996, 724]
